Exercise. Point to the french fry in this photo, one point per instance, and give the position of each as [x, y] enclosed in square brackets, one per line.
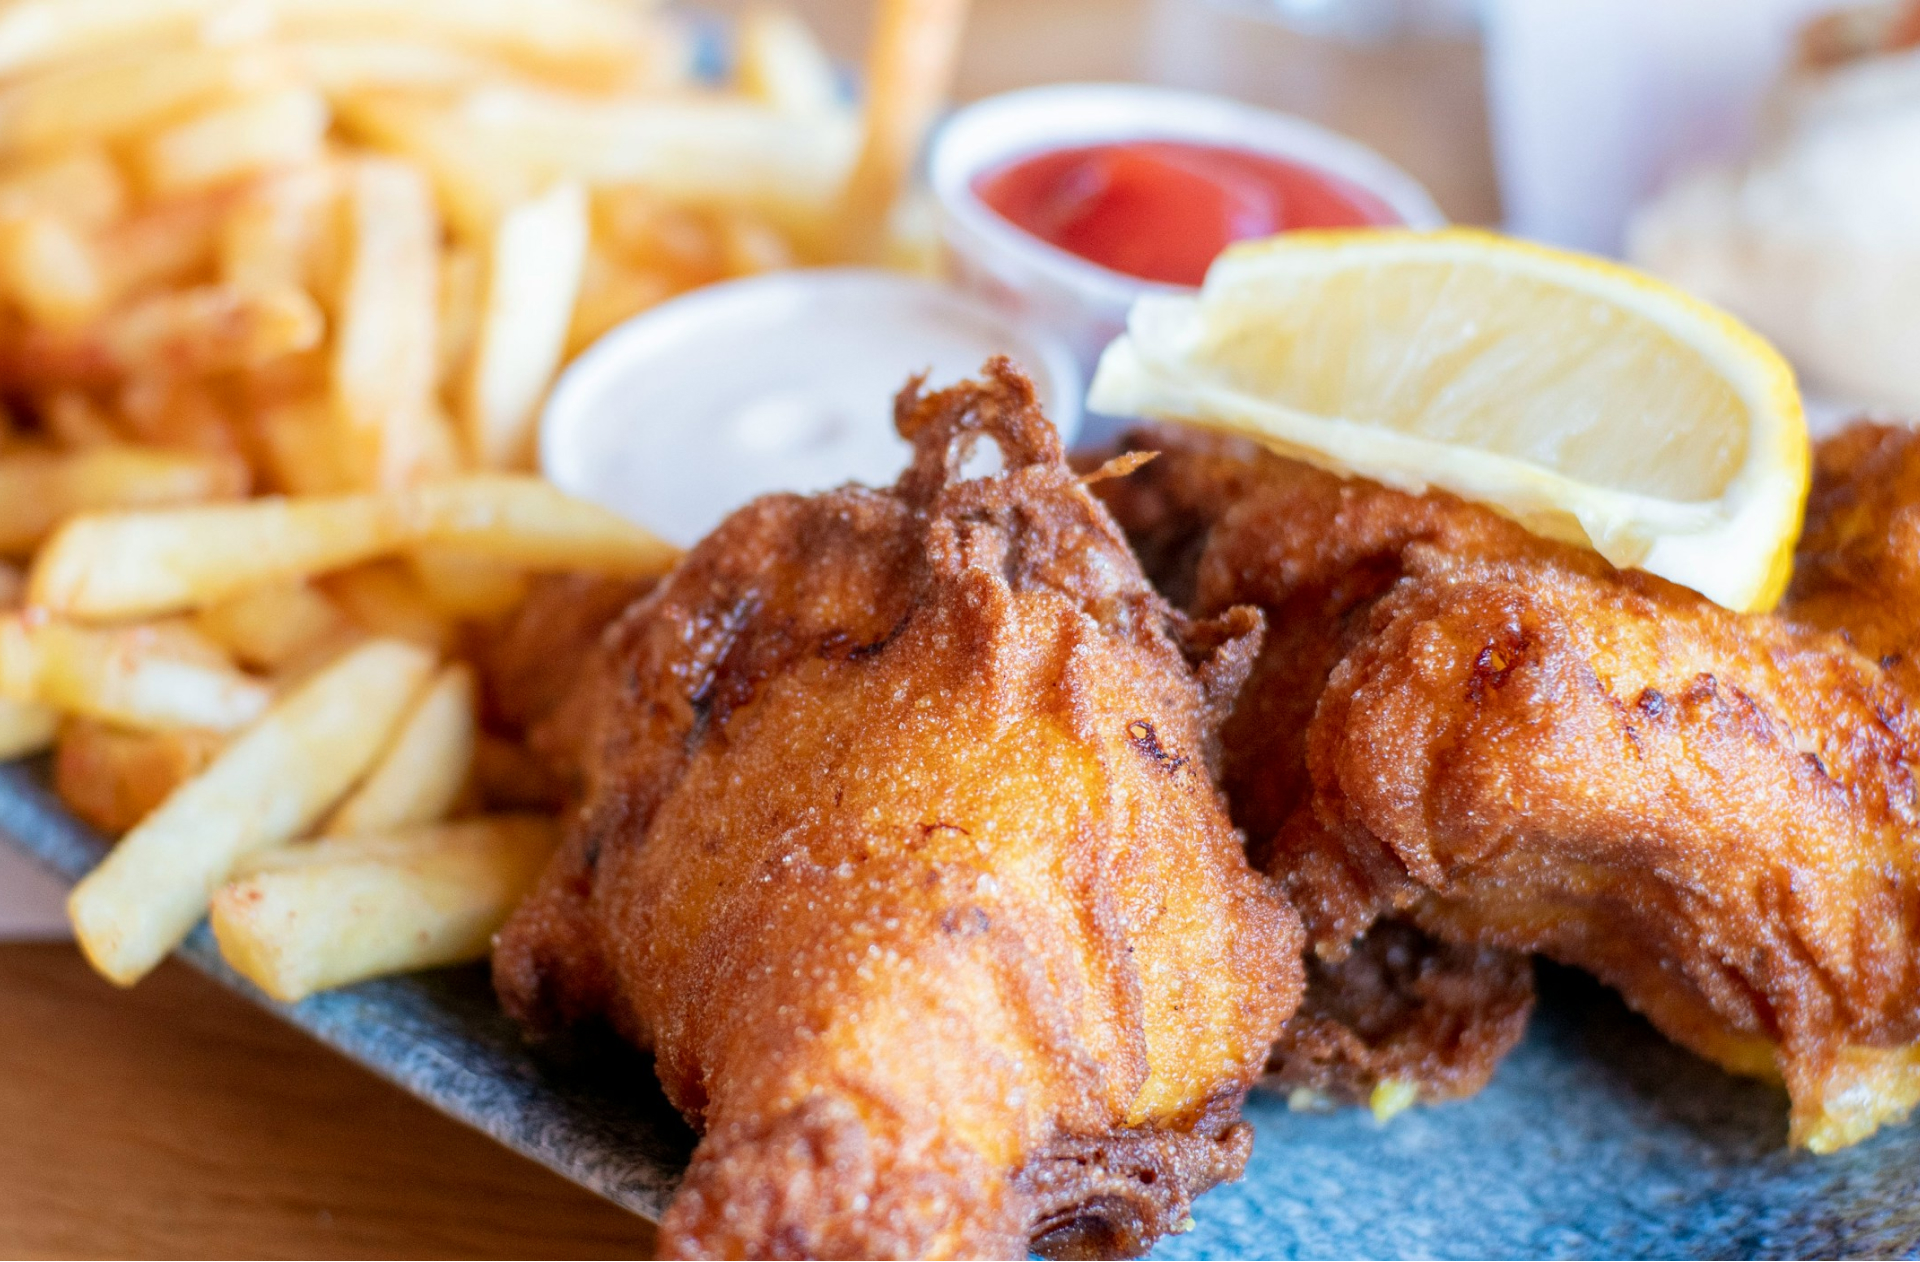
[76, 423]
[115, 96]
[347, 66]
[49, 269]
[175, 333]
[384, 598]
[385, 349]
[750, 246]
[26, 729]
[295, 378]
[474, 188]
[112, 778]
[12, 586]
[424, 770]
[181, 414]
[284, 233]
[462, 290]
[136, 677]
[82, 187]
[533, 280]
[584, 42]
[297, 446]
[279, 129]
[635, 224]
[38, 490]
[37, 33]
[267, 787]
[463, 585]
[780, 63]
[308, 917]
[136, 564]
[269, 628]
[588, 44]
[612, 291]
[497, 146]
[210, 329]
[910, 68]
[706, 150]
[170, 242]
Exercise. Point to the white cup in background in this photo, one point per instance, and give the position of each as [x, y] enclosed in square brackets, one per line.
[1597, 103]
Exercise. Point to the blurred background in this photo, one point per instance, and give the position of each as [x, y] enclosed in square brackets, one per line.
[1594, 104]
[1764, 154]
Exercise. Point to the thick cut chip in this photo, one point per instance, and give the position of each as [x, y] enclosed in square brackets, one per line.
[279, 129]
[263, 790]
[385, 348]
[39, 490]
[308, 917]
[424, 770]
[26, 728]
[50, 270]
[116, 96]
[129, 565]
[533, 278]
[270, 627]
[144, 677]
[112, 778]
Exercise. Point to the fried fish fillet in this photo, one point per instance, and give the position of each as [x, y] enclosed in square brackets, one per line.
[898, 847]
[1217, 522]
[1402, 1017]
[1713, 813]
[1526, 749]
[1857, 569]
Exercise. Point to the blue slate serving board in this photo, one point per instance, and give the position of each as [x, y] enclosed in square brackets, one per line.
[1596, 1139]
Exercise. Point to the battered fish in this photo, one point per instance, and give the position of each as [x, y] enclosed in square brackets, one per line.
[899, 849]
[1713, 813]
[1394, 1015]
[1857, 570]
[1402, 1017]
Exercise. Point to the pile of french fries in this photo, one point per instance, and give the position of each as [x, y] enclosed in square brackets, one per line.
[283, 284]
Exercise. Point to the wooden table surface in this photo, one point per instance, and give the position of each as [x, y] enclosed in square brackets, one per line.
[176, 1120]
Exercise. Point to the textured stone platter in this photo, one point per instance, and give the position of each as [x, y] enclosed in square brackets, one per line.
[1595, 1139]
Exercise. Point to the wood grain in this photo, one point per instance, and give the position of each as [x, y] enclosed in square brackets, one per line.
[177, 1120]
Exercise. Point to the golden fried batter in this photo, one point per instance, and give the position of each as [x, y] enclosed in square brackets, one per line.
[1218, 523]
[528, 658]
[1403, 1016]
[899, 849]
[1713, 813]
[1857, 570]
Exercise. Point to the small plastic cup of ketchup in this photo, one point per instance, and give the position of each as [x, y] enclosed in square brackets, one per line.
[1066, 203]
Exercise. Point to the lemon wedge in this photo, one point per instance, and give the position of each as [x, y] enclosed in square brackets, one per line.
[1588, 402]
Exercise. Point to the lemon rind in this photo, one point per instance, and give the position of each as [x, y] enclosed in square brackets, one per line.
[1706, 545]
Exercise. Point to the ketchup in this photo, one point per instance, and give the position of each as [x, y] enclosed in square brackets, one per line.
[1161, 210]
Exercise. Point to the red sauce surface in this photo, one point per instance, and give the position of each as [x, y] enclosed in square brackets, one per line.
[1162, 209]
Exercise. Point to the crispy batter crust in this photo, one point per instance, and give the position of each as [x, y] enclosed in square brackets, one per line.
[1402, 1008]
[1218, 523]
[899, 849]
[1711, 812]
[1857, 570]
